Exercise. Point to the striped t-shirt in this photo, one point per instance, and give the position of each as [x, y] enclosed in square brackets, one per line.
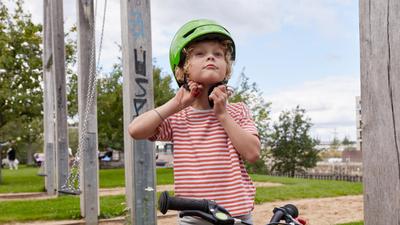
[206, 165]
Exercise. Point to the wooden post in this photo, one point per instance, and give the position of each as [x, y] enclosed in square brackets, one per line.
[138, 98]
[57, 28]
[86, 64]
[48, 106]
[380, 105]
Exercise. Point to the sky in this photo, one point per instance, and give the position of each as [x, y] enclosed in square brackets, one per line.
[299, 52]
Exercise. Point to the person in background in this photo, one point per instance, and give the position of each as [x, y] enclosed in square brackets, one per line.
[11, 156]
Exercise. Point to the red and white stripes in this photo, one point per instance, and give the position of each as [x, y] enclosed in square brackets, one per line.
[206, 165]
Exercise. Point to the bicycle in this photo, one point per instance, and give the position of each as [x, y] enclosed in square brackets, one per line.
[210, 211]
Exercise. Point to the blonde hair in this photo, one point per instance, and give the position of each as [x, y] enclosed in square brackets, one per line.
[182, 69]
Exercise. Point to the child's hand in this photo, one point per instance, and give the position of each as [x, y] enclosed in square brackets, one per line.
[185, 98]
[220, 96]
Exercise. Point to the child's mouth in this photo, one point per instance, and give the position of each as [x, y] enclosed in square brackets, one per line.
[210, 66]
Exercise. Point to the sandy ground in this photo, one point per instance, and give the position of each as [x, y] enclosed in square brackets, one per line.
[320, 211]
[323, 211]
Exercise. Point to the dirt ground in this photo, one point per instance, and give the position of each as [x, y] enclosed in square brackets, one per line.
[319, 211]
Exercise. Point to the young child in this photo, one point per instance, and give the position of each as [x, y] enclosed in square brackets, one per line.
[211, 140]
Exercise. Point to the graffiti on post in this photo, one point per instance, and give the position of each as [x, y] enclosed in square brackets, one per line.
[136, 24]
[140, 99]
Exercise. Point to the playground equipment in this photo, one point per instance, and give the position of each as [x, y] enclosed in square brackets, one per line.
[82, 178]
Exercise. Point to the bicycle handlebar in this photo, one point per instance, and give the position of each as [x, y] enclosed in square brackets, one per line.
[285, 211]
[215, 214]
[206, 209]
[173, 203]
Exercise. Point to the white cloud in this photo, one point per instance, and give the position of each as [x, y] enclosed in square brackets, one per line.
[329, 102]
[243, 18]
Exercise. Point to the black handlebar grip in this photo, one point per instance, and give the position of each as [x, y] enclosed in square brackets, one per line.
[292, 210]
[280, 212]
[167, 202]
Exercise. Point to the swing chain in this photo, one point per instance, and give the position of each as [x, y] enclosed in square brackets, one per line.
[72, 184]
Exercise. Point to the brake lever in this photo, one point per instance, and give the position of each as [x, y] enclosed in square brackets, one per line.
[205, 216]
[217, 218]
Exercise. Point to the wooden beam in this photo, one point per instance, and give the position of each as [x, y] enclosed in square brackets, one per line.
[88, 132]
[61, 144]
[138, 98]
[48, 105]
[380, 105]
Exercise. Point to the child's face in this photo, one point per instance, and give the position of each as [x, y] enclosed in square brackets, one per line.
[207, 63]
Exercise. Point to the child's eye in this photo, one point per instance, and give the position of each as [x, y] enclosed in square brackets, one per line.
[199, 53]
[218, 54]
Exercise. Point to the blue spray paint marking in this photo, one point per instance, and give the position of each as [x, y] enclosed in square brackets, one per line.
[136, 24]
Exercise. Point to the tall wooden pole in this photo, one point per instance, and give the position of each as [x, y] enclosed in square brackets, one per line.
[87, 132]
[57, 28]
[380, 100]
[138, 98]
[48, 106]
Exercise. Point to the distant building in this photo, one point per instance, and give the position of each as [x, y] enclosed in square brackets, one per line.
[345, 168]
[323, 145]
[352, 156]
[359, 123]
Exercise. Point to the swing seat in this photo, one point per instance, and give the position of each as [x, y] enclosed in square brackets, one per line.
[69, 192]
[42, 174]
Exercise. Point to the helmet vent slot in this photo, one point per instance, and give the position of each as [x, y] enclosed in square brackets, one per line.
[189, 33]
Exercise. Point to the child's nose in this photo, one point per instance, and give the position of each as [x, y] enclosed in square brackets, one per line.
[210, 56]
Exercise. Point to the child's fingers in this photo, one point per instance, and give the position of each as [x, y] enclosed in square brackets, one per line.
[195, 88]
[219, 95]
[229, 91]
[222, 88]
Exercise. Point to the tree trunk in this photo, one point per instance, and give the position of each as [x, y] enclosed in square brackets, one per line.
[29, 154]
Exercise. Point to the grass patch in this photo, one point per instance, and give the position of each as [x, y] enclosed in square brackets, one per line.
[61, 208]
[64, 207]
[67, 207]
[25, 179]
[296, 188]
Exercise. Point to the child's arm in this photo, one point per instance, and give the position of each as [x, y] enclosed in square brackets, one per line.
[247, 144]
[145, 125]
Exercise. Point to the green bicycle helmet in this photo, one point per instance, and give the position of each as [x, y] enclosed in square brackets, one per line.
[196, 30]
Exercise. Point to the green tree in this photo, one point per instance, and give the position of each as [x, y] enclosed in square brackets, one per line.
[110, 109]
[162, 87]
[21, 91]
[346, 141]
[251, 95]
[292, 147]
[335, 143]
[20, 76]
